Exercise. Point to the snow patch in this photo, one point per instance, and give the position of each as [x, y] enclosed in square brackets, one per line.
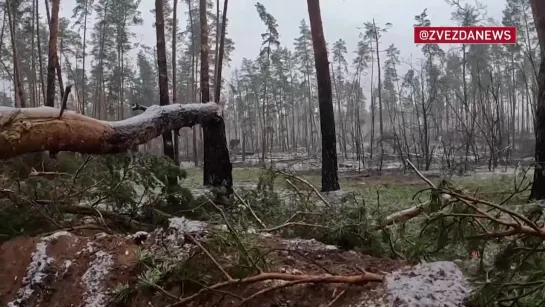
[66, 265]
[37, 269]
[138, 234]
[93, 280]
[309, 245]
[432, 284]
[183, 225]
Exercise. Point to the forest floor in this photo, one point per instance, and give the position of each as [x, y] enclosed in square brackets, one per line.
[392, 189]
[93, 267]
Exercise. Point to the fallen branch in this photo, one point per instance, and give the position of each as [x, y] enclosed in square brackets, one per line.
[247, 205]
[412, 212]
[77, 210]
[291, 279]
[310, 185]
[38, 129]
[120, 219]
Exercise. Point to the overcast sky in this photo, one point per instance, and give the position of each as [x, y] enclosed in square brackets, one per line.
[341, 19]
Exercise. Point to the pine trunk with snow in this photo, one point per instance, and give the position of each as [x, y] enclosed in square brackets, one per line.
[39, 129]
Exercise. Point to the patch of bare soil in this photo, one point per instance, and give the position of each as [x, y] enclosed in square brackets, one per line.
[63, 275]
[309, 257]
[83, 267]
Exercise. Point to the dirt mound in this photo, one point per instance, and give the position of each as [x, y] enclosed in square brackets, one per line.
[83, 268]
[63, 269]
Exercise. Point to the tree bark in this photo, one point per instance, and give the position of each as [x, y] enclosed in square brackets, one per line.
[221, 52]
[25, 130]
[330, 180]
[217, 170]
[168, 147]
[18, 85]
[174, 84]
[538, 186]
[538, 10]
[53, 56]
[44, 96]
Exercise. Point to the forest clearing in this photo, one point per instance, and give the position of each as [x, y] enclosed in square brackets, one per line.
[320, 172]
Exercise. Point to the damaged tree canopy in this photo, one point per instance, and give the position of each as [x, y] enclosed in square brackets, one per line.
[26, 130]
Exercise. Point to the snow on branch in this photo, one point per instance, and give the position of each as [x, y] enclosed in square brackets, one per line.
[26, 130]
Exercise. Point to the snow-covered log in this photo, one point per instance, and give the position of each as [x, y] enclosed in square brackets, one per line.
[26, 130]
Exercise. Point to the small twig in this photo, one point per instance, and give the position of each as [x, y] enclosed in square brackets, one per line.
[165, 292]
[270, 289]
[276, 228]
[310, 185]
[65, 99]
[233, 233]
[431, 184]
[351, 280]
[336, 298]
[247, 205]
[210, 256]
[138, 107]
[500, 208]
[34, 173]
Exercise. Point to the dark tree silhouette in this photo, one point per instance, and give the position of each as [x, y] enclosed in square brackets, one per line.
[538, 186]
[217, 170]
[53, 56]
[330, 180]
[168, 146]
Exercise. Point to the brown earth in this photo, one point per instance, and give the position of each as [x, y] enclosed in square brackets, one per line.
[63, 285]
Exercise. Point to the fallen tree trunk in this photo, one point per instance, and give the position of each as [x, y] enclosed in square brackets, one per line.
[26, 130]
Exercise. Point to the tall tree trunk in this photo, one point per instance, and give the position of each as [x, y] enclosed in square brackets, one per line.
[381, 122]
[83, 93]
[174, 85]
[330, 180]
[18, 85]
[53, 56]
[59, 70]
[168, 148]
[193, 83]
[538, 186]
[217, 170]
[32, 81]
[40, 51]
[221, 51]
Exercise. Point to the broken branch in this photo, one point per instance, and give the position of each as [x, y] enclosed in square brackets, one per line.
[292, 279]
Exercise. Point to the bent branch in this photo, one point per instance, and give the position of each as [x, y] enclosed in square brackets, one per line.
[26, 130]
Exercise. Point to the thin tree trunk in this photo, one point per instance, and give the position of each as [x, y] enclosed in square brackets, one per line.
[42, 81]
[217, 169]
[221, 51]
[168, 148]
[32, 82]
[538, 186]
[330, 181]
[18, 85]
[83, 95]
[193, 83]
[381, 123]
[53, 56]
[176, 136]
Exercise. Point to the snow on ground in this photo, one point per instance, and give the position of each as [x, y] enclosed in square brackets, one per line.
[37, 270]
[94, 278]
